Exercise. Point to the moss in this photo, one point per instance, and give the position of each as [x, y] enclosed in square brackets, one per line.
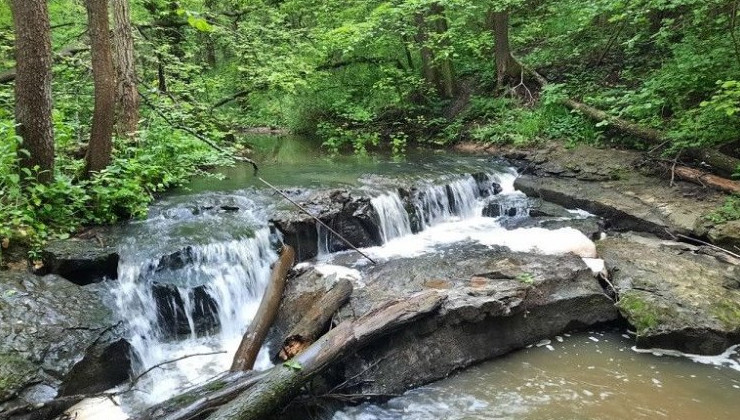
[15, 373]
[727, 312]
[215, 386]
[640, 313]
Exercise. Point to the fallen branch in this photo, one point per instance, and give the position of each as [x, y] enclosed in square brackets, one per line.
[718, 248]
[702, 178]
[283, 382]
[313, 324]
[254, 337]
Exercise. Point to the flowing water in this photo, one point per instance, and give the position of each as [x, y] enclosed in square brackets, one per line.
[192, 274]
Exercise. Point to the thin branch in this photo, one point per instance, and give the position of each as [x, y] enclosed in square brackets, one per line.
[689, 238]
[167, 362]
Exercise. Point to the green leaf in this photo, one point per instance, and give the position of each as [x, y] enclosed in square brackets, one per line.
[292, 364]
[199, 24]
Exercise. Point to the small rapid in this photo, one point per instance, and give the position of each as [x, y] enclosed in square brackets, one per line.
[192, 303]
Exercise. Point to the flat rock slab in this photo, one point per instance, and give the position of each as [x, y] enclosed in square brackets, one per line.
[81, 261]
[55, 336]
[674, 297]
[496, 301]
[638, 204]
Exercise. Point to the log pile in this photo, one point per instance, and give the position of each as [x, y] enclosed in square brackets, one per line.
[308, 350]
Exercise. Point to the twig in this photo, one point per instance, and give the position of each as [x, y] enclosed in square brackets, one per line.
[166, 362]
[346, 381]
[728, 252]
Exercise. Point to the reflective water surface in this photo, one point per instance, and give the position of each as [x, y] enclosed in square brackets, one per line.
[590, 375]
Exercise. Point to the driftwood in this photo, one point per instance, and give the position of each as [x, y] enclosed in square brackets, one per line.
[283, 382]
[314, 323]
[254, 337]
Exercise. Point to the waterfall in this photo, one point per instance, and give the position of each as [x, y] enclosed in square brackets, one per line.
[432, 204]
[393, 218]
[222, 280]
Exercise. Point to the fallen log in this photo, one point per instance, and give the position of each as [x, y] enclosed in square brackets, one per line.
[723, 164]
[204, 399]
[283, 382]
[708, 180]
[314, 323]
[252, 341]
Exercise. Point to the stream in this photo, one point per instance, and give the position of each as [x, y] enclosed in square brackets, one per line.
[191, 276]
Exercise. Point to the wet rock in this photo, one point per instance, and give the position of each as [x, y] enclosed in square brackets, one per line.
[541, 208]
[642, 204]
[172, 314]
[56, 336]
[675, 298]
[486, 186]
[352, 217]
[497, 301]
[81, 261]
[506, 205]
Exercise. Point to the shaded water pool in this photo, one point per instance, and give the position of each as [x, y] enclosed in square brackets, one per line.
[589, 375]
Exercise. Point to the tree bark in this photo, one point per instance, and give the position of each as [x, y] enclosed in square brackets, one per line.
[283, 382]
[254, 337]
[315, 321]
[447, 85]
[127, 97]
[100, 147]
[506, 67]
[706, 180]
[33, 86]
[427, 57]
[9, 75]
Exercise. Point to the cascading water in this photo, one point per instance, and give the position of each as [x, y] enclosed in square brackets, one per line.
[393, 218]
[165, 301]
[437, 203]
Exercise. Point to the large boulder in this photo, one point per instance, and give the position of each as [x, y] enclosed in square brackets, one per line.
[496, 301]
[675, 297]
[56, 338]
[81, 261]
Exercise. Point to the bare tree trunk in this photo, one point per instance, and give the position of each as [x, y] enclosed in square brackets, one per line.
[127, 97]
[101, 142]
[254, 337]
[33, 85]
[506, 67]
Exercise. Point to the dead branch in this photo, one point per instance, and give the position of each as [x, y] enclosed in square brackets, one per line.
[254, 337]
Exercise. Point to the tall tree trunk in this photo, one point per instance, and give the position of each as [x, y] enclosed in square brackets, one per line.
[33, 85]
[447, 85]
[427, 58]
[101, 142]
[127, 97]
[506, 67]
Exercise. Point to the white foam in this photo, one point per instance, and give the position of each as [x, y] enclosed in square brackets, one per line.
[108, 408]
[341, 272]
[725, 359]
[487, 231]
[596, 265]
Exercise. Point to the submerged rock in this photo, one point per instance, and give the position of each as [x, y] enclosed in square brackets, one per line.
[675, 298]
[56, 337]
[81, 261]
[497, 301]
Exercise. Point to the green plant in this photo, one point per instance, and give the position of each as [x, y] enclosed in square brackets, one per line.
[526, 278]
[728, 211]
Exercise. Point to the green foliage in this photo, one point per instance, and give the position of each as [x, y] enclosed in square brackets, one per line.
[33, 213]
[729, 211]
